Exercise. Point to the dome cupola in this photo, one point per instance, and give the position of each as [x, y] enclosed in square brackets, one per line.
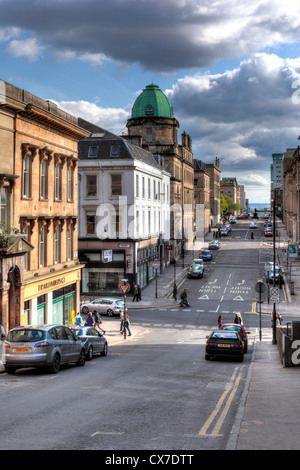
[152, 102]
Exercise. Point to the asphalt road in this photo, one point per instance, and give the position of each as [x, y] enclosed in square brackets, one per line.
[157, 392]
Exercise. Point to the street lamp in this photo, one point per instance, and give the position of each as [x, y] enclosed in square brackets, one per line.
[274, 341]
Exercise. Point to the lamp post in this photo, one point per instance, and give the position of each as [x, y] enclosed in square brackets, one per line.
[274, 341]
[260, 288]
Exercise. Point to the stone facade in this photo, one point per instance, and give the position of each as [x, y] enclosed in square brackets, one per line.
[40, 172]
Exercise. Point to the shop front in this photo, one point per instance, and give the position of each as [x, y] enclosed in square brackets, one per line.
[53, 298]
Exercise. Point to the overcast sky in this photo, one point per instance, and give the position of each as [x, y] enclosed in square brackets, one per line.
[231, 69]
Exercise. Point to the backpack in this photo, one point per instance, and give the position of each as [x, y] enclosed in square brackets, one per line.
[181, 296]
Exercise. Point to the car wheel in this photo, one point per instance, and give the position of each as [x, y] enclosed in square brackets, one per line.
[54, 368]
[110, 312]
[85, 310]
[90, 353]
[81, 360]
[105, 350]
[10, 370]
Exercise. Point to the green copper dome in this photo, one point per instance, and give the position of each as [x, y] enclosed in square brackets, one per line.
[152, 102]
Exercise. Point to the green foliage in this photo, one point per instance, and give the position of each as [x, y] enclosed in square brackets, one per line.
[6, 235]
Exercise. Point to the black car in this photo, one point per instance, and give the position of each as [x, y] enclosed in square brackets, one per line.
[195, 270]
[224, 343]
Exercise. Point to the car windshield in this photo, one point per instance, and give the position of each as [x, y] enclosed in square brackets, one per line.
[25, 336]
[119, 302]
[231, 328]
[196, 267]
[224, 335]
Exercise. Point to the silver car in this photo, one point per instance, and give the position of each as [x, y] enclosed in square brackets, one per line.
[107, 306]
[94, 342]
[42, 346]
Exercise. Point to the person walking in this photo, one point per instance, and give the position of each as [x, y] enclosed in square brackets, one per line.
[139, 292]
[184, 300]
[135, 293]
[126, 324]
[90, 320]
[220, 322]
[238, 319]
[175, 291]
[78, 319]
[98, 321]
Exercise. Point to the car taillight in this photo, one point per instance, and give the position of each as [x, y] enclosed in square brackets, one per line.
[83, 340]
[7, 346]
[209, 344]
[44, 344]
[237, 345]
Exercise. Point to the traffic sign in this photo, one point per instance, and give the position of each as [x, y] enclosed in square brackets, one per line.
[274, 294]
[260, 287]
[124, 288]
[156, 264]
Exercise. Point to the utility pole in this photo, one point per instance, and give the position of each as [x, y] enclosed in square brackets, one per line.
[274, 340]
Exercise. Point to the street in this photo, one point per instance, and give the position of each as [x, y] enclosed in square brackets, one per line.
[158, 391]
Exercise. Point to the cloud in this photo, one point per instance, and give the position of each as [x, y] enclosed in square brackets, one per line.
[112, 119]
[242, 115]
[163, 36]
[25, 48]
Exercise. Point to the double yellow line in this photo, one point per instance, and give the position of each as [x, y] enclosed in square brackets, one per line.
[231, 390]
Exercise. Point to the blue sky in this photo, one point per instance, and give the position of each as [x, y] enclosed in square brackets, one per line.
[230, 68]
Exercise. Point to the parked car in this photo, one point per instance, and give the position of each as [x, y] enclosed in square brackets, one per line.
[206, 255]
[224, 232]
[42, 346]
[233, 220]
[240, 329]
[268, 232]
[270, 276]
[94, 342]
[195, 270]
[224, 343]
[107, 306]
[228, 226]
[253, 225]
[214, 245]
[198, 261]
[243, 216]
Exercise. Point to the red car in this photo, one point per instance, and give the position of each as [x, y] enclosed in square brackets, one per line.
[240, 329]
[268, 232]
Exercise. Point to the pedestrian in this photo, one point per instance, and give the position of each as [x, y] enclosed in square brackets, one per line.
[135, 293]
[175, 291]
[78, 319]
[220, 322]
[184, 300]
[121, 322]
[90, 320]
[98, 321]
[126, 324]
[238, 319]
[139, 292]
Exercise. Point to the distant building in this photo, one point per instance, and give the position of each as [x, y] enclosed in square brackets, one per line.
[214, 172]
[153, 126]
[202, 193]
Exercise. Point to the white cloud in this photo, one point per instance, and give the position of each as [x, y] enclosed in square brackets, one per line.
[25, 48]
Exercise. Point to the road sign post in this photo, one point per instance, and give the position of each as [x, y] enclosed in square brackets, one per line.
[156, 265]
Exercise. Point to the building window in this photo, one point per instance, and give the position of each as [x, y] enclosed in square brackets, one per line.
[44, 179]
[116, 185]
[116, 223]
[58, 182]
[149, 137]
[137, 185]
[149, 189]
[143, 187]
[93, 152]
[69, 243]
[91, 185]
[115, 151]
[4, 206]
[26, 176]
[43, 247]
[57, 245]
[70, 184]
[90, 223]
